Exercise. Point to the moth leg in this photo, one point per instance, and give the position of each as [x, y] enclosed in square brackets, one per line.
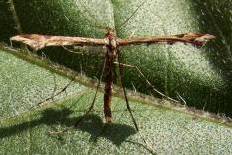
[128, 105]
[71, 51]
[124, 92]
[127, 102]
[147, 81]
[94, 98]
[51, 98]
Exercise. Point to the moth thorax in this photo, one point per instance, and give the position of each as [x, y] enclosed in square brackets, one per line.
[113, 43]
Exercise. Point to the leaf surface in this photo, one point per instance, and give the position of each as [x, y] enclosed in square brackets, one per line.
[39, 131]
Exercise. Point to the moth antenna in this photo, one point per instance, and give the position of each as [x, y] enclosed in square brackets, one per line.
[132, 14]
[96, 24]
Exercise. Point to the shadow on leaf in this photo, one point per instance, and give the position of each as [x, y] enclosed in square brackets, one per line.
[93, 124]
[117, 133]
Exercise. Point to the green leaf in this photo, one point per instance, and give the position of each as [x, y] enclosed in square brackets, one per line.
[39, 131]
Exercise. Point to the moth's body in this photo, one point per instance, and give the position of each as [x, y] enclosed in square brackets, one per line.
[110, 58]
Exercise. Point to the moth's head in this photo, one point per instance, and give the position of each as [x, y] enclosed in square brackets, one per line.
[110, 32]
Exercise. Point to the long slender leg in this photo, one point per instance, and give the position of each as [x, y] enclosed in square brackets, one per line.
[98, 85]
[128, 105]
[54, 95]
[95, 95]
[148, 82]
[124, 92]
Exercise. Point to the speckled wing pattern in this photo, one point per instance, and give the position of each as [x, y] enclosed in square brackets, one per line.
[37, 42]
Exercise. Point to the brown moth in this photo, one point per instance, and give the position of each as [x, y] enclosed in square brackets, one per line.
[112, 43]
